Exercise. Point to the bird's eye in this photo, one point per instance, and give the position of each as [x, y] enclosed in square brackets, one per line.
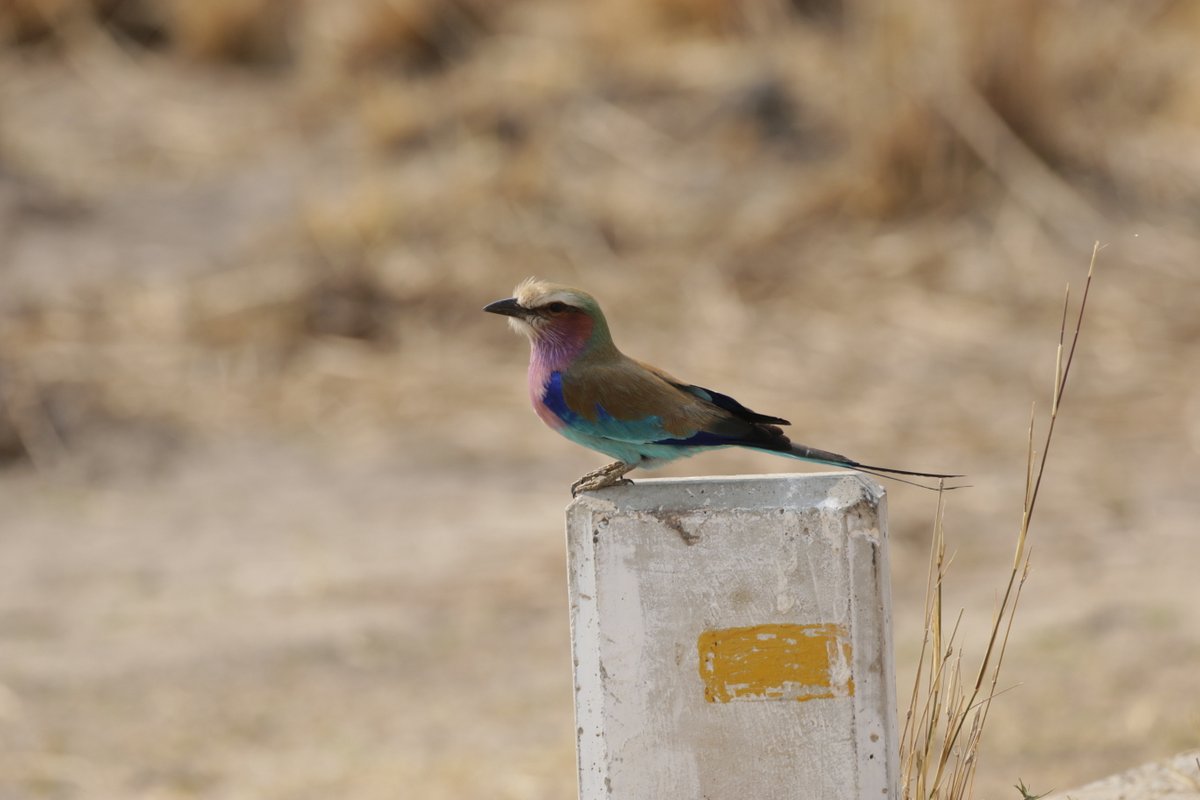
[557, 307]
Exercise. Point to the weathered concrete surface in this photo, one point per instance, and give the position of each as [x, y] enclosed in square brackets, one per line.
[1176, 778]
[732, 639]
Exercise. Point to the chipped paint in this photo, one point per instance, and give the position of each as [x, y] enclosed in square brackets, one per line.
[776, 662]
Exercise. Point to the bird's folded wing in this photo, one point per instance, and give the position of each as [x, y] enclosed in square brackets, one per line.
[631, 402]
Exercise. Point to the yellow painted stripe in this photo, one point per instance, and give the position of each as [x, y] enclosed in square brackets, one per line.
[776, 662]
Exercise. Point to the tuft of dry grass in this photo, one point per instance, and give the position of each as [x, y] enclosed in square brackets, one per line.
[948, 709]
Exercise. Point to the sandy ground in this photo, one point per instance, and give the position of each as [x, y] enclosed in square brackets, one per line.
[267, 620]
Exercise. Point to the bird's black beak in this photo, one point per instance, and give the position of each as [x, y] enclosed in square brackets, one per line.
[508, 308]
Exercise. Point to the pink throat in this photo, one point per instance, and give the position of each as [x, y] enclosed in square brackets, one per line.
[553, 349]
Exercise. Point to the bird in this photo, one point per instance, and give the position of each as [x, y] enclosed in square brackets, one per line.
[586, 389]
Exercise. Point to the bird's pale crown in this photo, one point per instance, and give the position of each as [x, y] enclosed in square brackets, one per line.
[532, 293]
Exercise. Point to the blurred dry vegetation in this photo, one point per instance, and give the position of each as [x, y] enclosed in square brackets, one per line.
[266, 228]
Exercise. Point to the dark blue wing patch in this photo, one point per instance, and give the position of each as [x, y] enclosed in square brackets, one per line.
[727, 403]
[553, 399]
[701, 439]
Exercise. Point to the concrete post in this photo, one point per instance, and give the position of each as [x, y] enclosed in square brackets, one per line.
[732, 640]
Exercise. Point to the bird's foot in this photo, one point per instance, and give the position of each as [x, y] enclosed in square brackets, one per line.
[592, 484]
[611, 475]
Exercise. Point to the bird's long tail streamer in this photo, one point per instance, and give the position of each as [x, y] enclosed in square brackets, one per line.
[833, 459]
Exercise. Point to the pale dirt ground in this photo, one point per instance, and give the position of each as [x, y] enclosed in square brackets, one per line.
[1175, 778]
[278, 523]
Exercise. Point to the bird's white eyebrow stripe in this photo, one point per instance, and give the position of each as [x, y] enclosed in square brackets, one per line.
[531, 296]
[558, 297]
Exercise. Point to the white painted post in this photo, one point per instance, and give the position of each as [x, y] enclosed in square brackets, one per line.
[732, 640]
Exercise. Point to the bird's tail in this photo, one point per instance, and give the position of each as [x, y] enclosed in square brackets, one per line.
[833, 459]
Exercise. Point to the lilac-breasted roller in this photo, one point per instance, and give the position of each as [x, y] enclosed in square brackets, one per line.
[585, 388]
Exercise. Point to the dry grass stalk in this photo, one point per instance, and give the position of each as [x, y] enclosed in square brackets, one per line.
[939, 746]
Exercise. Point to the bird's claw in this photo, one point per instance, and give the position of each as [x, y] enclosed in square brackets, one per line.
[579, 487]
[610, 475]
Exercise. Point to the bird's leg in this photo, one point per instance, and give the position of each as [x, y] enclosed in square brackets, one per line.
[610, 475]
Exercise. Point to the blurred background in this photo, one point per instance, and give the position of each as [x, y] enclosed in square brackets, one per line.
[277, 521]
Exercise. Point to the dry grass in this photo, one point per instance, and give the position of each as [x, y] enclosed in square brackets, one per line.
[529, 153]
[944, 726]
